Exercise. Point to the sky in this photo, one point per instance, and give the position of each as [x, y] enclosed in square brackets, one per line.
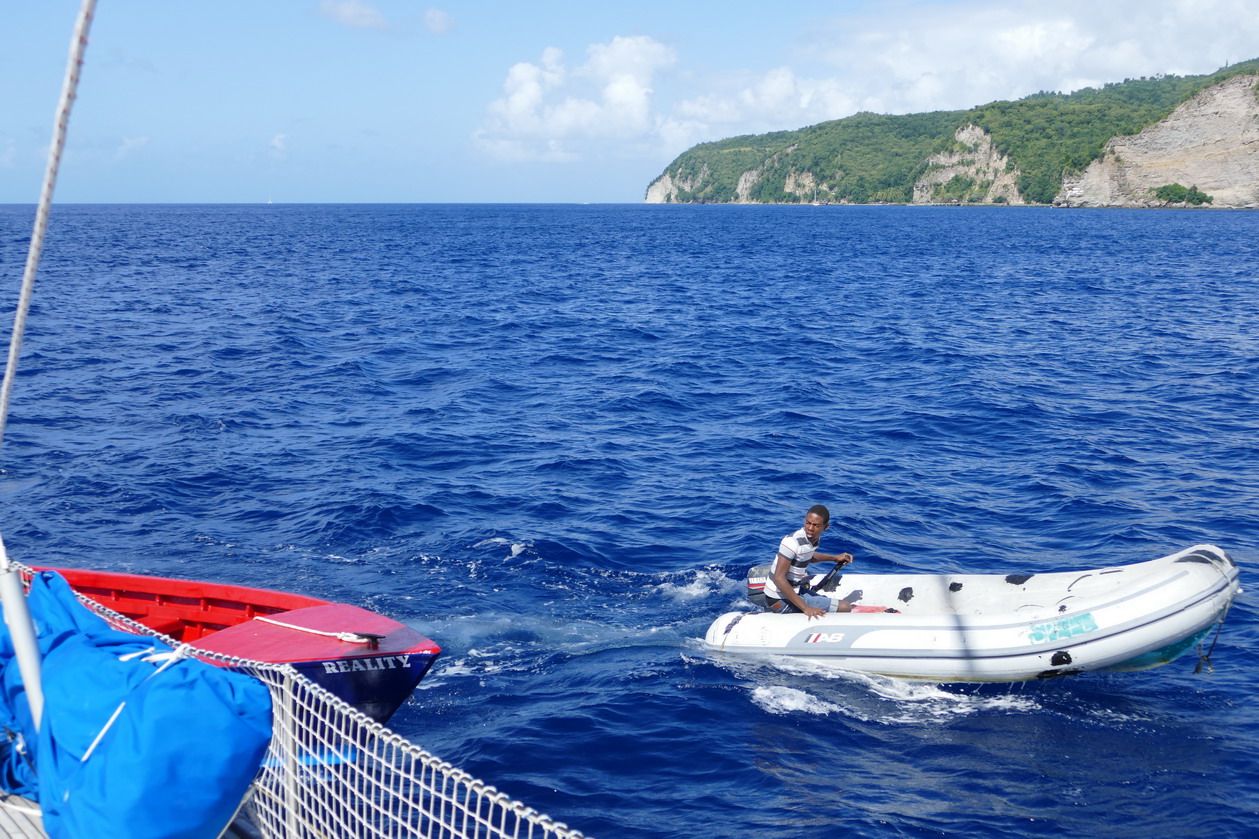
[388, 101]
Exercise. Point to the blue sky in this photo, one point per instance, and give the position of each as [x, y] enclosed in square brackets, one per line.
[396, 101]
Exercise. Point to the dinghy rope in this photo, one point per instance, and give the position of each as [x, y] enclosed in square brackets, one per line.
[1204, 659]
[349, 637]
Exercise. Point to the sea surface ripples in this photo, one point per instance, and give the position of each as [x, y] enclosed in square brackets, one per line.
[554, 437]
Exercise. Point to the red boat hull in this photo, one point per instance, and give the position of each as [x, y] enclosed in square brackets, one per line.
[368, 660]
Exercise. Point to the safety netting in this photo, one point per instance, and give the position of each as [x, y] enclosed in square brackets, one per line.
[331, 771]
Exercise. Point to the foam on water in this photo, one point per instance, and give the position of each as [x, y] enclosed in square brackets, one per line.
[823, 689]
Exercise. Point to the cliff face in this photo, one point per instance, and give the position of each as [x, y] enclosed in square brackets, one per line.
[984, 175]
[667, 189]
[796, 180]
[1211, 142]
[664, 190]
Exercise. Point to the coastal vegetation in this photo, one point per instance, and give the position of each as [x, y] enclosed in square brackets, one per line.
[874, 158]
[1177, 194]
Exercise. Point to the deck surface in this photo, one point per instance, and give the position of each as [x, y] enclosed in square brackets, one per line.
[20, 818]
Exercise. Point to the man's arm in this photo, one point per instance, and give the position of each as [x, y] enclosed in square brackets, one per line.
[788, 591]
[842, 559]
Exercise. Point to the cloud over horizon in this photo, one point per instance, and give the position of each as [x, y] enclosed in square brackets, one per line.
[549, 110]
[927, 57]
[438, 21]
[354, 13]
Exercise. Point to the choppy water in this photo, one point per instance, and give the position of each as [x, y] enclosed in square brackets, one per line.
[554, 437]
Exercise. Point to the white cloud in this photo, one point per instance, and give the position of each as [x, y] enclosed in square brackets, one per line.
[951, 56]
[438, 22]
[897, 57]
[927, 56]
[129, 145]
[551, 112]
[355, 13]
[279, 146]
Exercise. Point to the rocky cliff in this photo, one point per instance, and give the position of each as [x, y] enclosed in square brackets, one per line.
[1211, 142]
[665, 190]
[980, 170]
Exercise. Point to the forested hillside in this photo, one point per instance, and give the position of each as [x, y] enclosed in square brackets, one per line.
[869, 158]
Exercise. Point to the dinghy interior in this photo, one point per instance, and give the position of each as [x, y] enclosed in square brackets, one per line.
[370, 661]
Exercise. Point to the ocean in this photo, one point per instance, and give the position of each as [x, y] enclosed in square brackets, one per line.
[554, 437]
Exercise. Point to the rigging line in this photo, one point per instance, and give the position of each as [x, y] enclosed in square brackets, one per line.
[78, 44]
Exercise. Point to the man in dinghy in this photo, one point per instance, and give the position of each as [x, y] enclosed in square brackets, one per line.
[791, 567]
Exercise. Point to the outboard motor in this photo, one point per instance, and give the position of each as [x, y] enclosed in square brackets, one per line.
[757, 575]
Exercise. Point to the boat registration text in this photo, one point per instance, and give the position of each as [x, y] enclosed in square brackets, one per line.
[346, 665]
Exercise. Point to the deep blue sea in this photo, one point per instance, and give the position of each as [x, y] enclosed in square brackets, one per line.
[553, 438]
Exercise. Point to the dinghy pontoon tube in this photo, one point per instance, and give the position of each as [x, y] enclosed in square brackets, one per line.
[1002, 628]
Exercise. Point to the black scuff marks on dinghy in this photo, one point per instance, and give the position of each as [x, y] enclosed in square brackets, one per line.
[1018, 579]
[732, 623]
[1207, 558]
[1060, 659]
[955, 587]
[906, 595]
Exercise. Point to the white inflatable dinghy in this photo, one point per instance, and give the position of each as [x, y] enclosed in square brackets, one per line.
[1000, 628]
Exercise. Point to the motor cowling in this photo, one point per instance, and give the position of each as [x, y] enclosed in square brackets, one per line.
[757, 575]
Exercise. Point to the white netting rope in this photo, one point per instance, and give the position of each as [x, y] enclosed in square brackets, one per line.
[332, 771]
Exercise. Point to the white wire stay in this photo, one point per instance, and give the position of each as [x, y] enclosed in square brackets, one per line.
[16, 614]
[78, 46]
